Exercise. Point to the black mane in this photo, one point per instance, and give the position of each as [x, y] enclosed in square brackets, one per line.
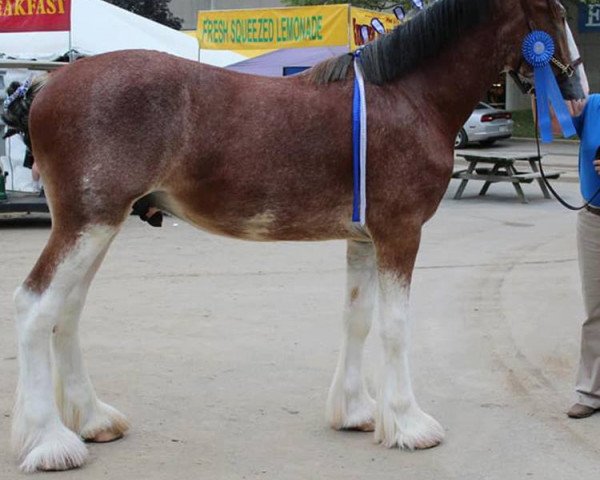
[410, 44]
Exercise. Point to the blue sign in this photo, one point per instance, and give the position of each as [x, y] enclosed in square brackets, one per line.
[589, 17]
[287, 71]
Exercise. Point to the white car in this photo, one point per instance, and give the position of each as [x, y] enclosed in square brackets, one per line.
[485, 125]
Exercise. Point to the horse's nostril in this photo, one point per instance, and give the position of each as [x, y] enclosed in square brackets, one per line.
[571, 88]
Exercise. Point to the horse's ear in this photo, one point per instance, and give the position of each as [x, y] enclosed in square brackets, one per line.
[559, 7]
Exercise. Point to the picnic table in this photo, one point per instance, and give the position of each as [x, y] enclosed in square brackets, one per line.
[493, 166]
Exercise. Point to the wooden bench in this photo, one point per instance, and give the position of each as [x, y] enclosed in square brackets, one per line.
[502, 169]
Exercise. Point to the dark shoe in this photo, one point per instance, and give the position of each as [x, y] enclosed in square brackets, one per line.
[581, 411]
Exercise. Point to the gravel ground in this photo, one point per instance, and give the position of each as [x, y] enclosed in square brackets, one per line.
[220, 352]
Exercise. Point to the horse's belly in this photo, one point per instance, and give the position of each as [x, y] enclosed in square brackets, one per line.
[266, 224]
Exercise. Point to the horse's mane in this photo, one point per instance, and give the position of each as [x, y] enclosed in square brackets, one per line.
[409, 44]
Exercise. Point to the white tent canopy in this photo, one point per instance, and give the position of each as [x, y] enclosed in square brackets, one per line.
[273, 63]
[220, 58]
[98, 27]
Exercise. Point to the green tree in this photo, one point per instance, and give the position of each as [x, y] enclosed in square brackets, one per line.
[382, 4]
[369, 4]
[157, 10]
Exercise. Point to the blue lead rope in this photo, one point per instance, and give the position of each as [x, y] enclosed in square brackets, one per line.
[359, 145]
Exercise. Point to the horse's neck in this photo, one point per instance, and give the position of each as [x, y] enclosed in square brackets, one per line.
[455, 81]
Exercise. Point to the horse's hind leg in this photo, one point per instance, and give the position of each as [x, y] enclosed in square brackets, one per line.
[47, 297]
[399, 422]
[349, 405]
[80, 409]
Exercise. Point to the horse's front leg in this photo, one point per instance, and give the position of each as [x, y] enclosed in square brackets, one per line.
[400, 422]
[349, 405]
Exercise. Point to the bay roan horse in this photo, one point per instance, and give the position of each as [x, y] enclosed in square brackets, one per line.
[258, 159]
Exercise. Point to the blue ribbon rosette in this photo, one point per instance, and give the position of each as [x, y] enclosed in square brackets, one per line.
[538, 50]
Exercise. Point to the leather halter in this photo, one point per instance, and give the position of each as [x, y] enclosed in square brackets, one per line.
[564, 70]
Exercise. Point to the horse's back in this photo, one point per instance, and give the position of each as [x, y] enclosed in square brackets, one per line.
[247, 156]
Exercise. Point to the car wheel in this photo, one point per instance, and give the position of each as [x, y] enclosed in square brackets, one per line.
[487, 143]
[461, 139]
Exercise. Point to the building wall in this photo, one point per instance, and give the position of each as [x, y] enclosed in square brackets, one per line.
[188, 9]
[587, 41]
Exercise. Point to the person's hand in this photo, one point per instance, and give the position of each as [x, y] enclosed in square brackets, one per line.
[597, 166]
[576, 107]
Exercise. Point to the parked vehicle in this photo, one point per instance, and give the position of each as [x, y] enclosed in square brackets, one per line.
[485, 126]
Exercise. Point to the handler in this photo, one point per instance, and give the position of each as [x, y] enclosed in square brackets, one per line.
[586, 117]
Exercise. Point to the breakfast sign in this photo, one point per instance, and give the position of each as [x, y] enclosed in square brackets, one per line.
[35, 15]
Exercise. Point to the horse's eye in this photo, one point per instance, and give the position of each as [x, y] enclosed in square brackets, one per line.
[562, 11]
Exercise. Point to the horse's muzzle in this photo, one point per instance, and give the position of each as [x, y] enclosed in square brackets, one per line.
[570, 86]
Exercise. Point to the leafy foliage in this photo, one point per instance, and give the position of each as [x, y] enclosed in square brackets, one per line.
[157, 10]
[369, 4]
[385, 4]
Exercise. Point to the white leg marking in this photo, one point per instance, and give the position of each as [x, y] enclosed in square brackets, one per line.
[76, 399]
[349, 405]
[39, 438]
[399, 422]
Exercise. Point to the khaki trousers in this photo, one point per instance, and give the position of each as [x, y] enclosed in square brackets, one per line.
[588, 245]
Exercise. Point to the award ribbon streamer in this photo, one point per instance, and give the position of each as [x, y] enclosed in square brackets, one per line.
[538, 49]
[359, 142]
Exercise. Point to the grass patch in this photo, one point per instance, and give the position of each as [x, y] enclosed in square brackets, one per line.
[523, 126]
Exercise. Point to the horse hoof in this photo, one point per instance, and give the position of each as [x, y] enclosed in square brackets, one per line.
[425, 444]
[412, 430]
[368, 426]
[62, 450]
[346, 411]
[106, 425]
[105, 437]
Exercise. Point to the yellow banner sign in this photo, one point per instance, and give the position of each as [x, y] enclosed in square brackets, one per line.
[274, 28]
[368, 25]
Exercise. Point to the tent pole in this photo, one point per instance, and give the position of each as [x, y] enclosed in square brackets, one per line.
[350, 28]
[70, 46]
[71, 56]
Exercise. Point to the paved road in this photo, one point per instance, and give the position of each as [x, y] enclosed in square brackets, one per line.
[221, 352]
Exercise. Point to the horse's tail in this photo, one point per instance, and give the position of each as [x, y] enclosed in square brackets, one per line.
[15, 113]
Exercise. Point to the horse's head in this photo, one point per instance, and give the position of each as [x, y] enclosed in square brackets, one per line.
[551, 17]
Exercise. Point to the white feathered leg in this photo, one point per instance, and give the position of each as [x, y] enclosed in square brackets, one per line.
[78, 405]
[349, 405]
[399, 421]
[39, 438]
